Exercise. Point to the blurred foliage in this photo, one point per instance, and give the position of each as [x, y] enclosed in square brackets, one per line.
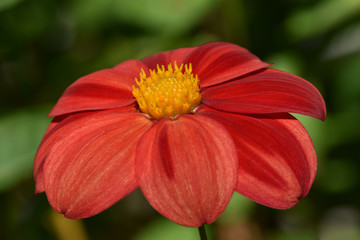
[320, 18]
[5, 4]
[20, 135]
[163, 229]
[45, 45]
[157, 16]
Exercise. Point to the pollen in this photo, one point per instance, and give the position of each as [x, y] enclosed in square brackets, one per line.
[167, 92]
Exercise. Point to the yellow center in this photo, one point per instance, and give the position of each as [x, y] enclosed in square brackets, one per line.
[167, 93]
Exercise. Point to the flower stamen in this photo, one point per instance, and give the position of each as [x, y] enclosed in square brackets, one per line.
[167, 92]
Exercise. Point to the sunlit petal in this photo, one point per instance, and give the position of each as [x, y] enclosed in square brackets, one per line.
[187, 169]
[91, 165]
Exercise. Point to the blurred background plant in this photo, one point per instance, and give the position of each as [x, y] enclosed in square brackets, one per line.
[45, 45]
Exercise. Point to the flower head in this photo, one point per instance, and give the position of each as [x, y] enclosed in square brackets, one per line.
[189, 127]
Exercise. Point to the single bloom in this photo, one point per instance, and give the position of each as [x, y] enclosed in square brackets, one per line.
[189, 127]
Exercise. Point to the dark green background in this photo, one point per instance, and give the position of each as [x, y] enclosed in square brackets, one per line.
[45, 45]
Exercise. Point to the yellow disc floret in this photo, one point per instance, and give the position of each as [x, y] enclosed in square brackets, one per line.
[167, 92]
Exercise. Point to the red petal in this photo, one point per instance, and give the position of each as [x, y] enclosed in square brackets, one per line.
[187, 169]
[131, 68]
[218, 62]
[269, 91]
[164, 58]
[104, 89]
[50, 135]
[55, 129]
[277, 157]
[91, 164]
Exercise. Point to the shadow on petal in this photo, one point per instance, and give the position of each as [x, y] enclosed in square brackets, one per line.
[187, 169]
[277, 160]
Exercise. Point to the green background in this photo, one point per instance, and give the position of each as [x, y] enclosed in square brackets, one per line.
[45, 45]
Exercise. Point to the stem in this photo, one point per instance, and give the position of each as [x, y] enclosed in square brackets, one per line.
[202, 232]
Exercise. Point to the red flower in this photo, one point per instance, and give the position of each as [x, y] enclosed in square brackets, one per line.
[189, 127]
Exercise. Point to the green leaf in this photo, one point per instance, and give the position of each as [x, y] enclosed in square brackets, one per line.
[20, 135]
[6, 4]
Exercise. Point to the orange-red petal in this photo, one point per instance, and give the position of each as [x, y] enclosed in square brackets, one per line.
[48, 140]
[91, 163]
[131, 67]
[277, 160]
[104, 89]
[56, 128]
[219, 62]
[187, 169]
[268, 91]
[164, 58]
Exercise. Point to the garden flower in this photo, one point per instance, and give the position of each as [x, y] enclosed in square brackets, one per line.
[189, 127]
